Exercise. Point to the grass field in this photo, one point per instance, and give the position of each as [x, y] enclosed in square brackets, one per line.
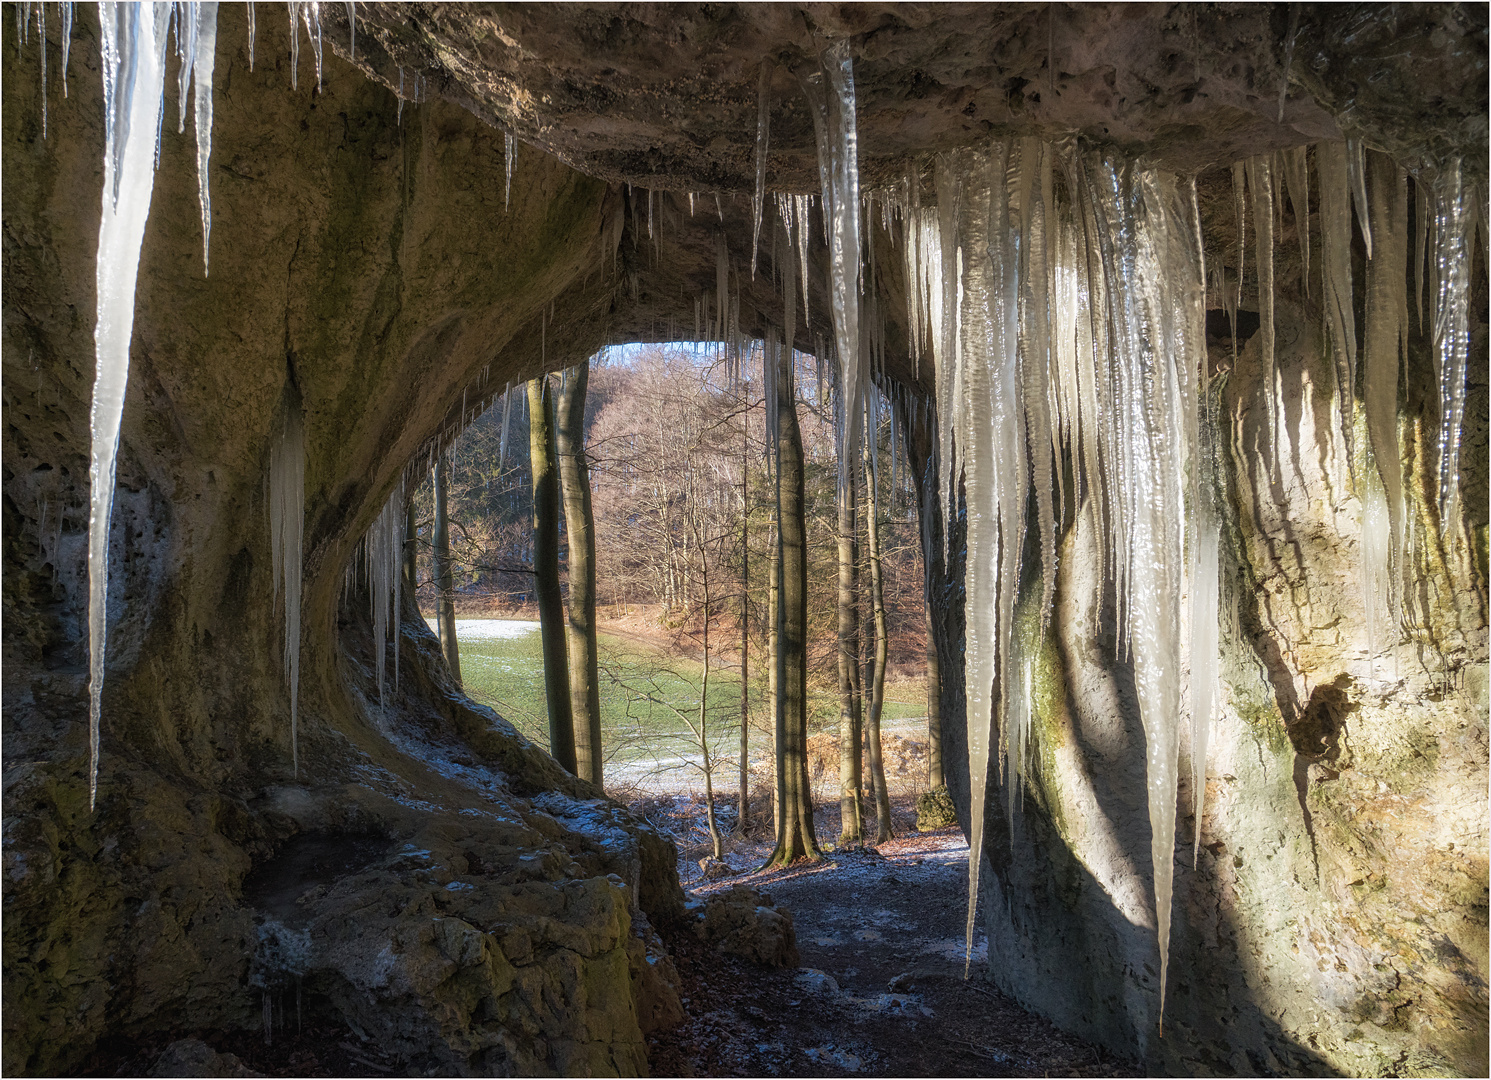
[643, 693]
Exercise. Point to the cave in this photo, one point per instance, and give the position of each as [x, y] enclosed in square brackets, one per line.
[416, 205]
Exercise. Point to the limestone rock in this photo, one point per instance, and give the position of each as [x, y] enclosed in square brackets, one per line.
[934, 810]
[192, 1057]
[713, 869]
[742, 922]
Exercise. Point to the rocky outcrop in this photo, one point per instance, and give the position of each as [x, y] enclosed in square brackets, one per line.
[428, 875]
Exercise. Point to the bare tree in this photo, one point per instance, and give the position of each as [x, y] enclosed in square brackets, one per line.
[542, 454]
[795, 838]
[445, 612]
[877, 677]
[574, 475]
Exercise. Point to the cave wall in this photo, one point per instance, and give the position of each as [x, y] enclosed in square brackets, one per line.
[494, 913]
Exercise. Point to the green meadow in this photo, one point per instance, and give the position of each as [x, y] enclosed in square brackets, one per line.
[643, 693]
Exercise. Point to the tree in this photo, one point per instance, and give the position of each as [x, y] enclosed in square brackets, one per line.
[795, 839]
[445, 612]
[877, 678]
[574, 475]
[541, 457]
[851, 809]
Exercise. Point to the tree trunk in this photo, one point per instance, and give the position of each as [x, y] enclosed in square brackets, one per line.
[714, 831]
[742, 817]
[795, 839]
[445, 612]
[584, 669]
[772, 597]
[542, 453]
[934, 707]
[851, 807]
[877, 680]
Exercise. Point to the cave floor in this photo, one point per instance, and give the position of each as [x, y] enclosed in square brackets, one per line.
[881, 988]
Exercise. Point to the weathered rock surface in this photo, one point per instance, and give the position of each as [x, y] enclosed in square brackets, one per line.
[742, 922]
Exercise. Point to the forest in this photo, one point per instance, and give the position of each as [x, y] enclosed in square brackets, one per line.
[681, 516]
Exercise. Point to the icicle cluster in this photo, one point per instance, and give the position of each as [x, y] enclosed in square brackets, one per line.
[382, 554]
[1062, 298]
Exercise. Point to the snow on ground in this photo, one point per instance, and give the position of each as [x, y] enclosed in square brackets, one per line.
[488, 629]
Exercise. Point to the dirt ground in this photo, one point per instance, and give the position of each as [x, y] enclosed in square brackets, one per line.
[881, 988]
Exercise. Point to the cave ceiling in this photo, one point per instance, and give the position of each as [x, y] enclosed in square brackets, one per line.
[665, 95]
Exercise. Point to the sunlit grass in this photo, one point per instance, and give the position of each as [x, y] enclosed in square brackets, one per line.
[643, 692]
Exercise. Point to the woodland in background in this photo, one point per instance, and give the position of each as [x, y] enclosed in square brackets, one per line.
[669, 441]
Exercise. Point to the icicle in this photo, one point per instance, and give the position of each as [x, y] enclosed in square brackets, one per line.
[67, 16]
[1335, 272]
[1386, 332]
[1261, 187]
[1421, 227]
[133, 83]
[722, 287]
[1033, 196]
[800, 204]
[294, 7]
[509, 155]
[507, 412]
[381, 549]
[1205, 583]
[763, 125]
[1240, 213]
[1456, 207]
[41, 37]
[251, 28]
[286, 536]
[352, 30]
[838, 168]
[1297, 179]
[186, 55]
[1357, 168]
[203, 63]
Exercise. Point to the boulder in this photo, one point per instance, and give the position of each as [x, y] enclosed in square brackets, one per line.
[742, 922]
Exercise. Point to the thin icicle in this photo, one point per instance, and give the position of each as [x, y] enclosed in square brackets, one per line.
[251, 29]
[507, 412]
[1261, 187]
[1240, 215]
[763, 126]
[801, 204]
[67, 17]
[352, 30]
[382, 548]
[1205, 583]
[133, 84]
[1456, 207]
[509, 155]
[1386, 333]
[1335, 273]
[1296, 164]
[203, 63]
[831, 95]
[286, 542]
[1357, 168]
[41, 37]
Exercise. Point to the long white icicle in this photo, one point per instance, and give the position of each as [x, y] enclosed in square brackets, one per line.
[133, 84]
